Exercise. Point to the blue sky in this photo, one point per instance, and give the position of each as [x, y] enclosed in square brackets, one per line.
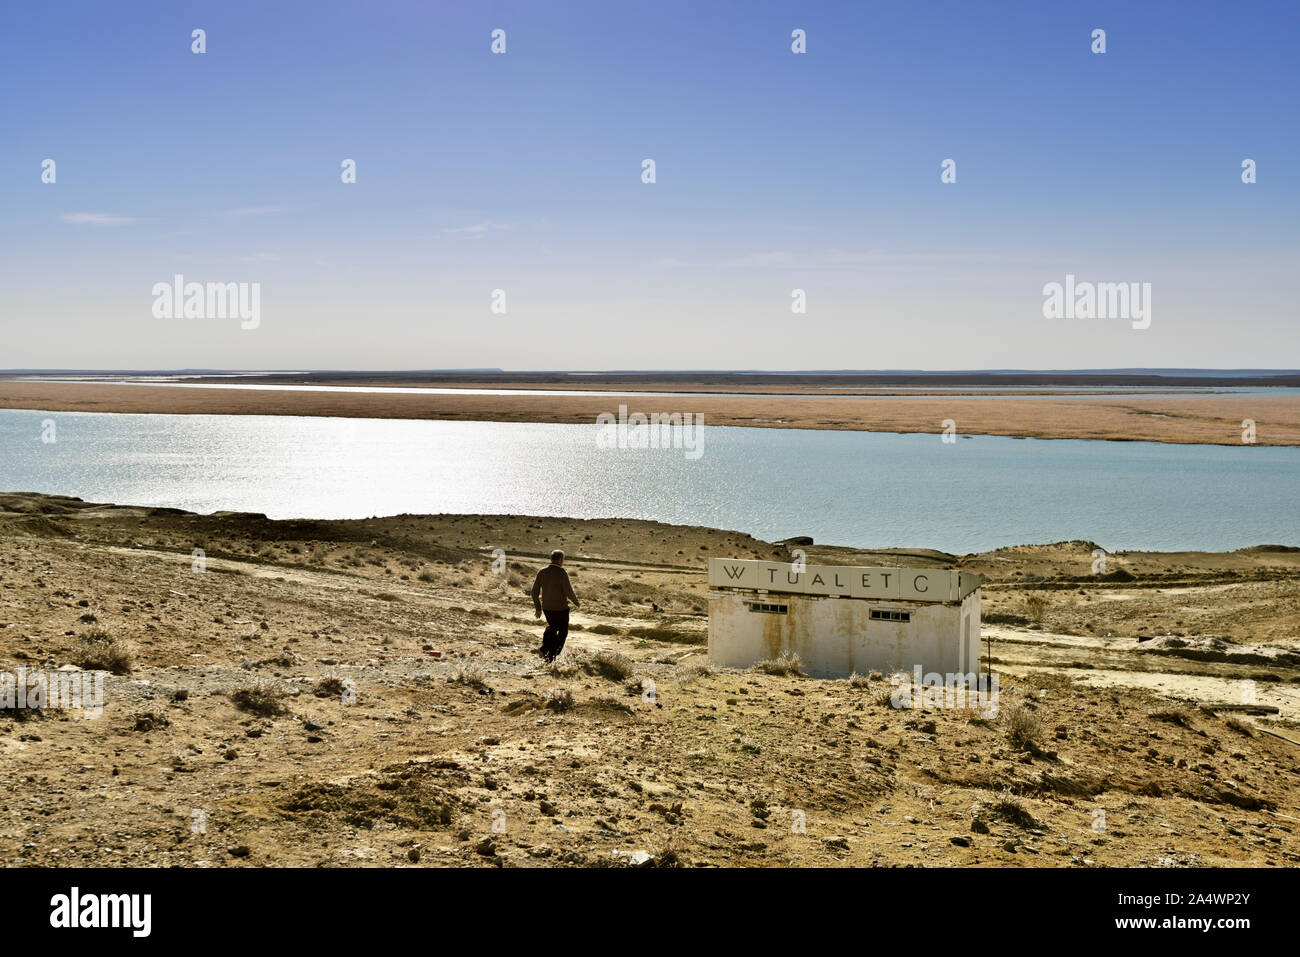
[775, 171]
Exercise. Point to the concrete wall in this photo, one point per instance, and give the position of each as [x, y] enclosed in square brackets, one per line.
[835, 637]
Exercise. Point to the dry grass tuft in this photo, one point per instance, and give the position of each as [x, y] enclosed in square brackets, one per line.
[1009, 809]
[882, 695]
[1022, 727]
[97, 650]
[1006, 807]
[471, 674]
[560, 699]
[1241, 727]
[150, 720]
[787, 664]
[1179, 716]
[1036, 607]
[613, 665]
[263, 700]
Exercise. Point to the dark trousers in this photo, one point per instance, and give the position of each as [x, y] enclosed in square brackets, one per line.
[557, 629]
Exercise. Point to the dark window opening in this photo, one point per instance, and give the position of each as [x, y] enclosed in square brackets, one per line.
[879, 614]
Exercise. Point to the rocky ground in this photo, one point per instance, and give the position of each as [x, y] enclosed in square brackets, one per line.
[365, 693]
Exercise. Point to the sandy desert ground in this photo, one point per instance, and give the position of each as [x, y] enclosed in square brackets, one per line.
[233, 711]
[1212, 419]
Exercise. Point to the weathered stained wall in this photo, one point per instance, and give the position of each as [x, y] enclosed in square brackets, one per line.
[835, 637]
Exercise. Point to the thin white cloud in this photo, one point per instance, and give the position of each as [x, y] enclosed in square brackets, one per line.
[845, 258]
[242, 211]
[478, 230]
[96, 219]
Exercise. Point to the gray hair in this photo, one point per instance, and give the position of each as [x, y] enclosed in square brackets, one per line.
[557, 555]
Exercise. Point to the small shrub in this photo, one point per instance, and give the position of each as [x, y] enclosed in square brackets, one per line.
[882, 695]
[150, 720]
[686, 673]
[613, 665]
[25, 713]
[471, 674]
[264, 701]
[1241, 727]
[1023, 729]
[560, 699]
[1012, 811]
[1036, 607]
[671, 854]
[100, 651]
[787, 664]
[328, 688]
[1180, 716]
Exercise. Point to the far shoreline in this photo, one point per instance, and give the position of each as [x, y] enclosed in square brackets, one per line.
[1196, 419]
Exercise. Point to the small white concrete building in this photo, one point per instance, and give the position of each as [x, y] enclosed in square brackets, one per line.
[844, 619]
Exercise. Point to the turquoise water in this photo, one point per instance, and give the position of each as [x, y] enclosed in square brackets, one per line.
[849, 488]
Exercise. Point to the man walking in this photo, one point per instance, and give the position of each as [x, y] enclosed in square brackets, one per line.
[551, 595]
